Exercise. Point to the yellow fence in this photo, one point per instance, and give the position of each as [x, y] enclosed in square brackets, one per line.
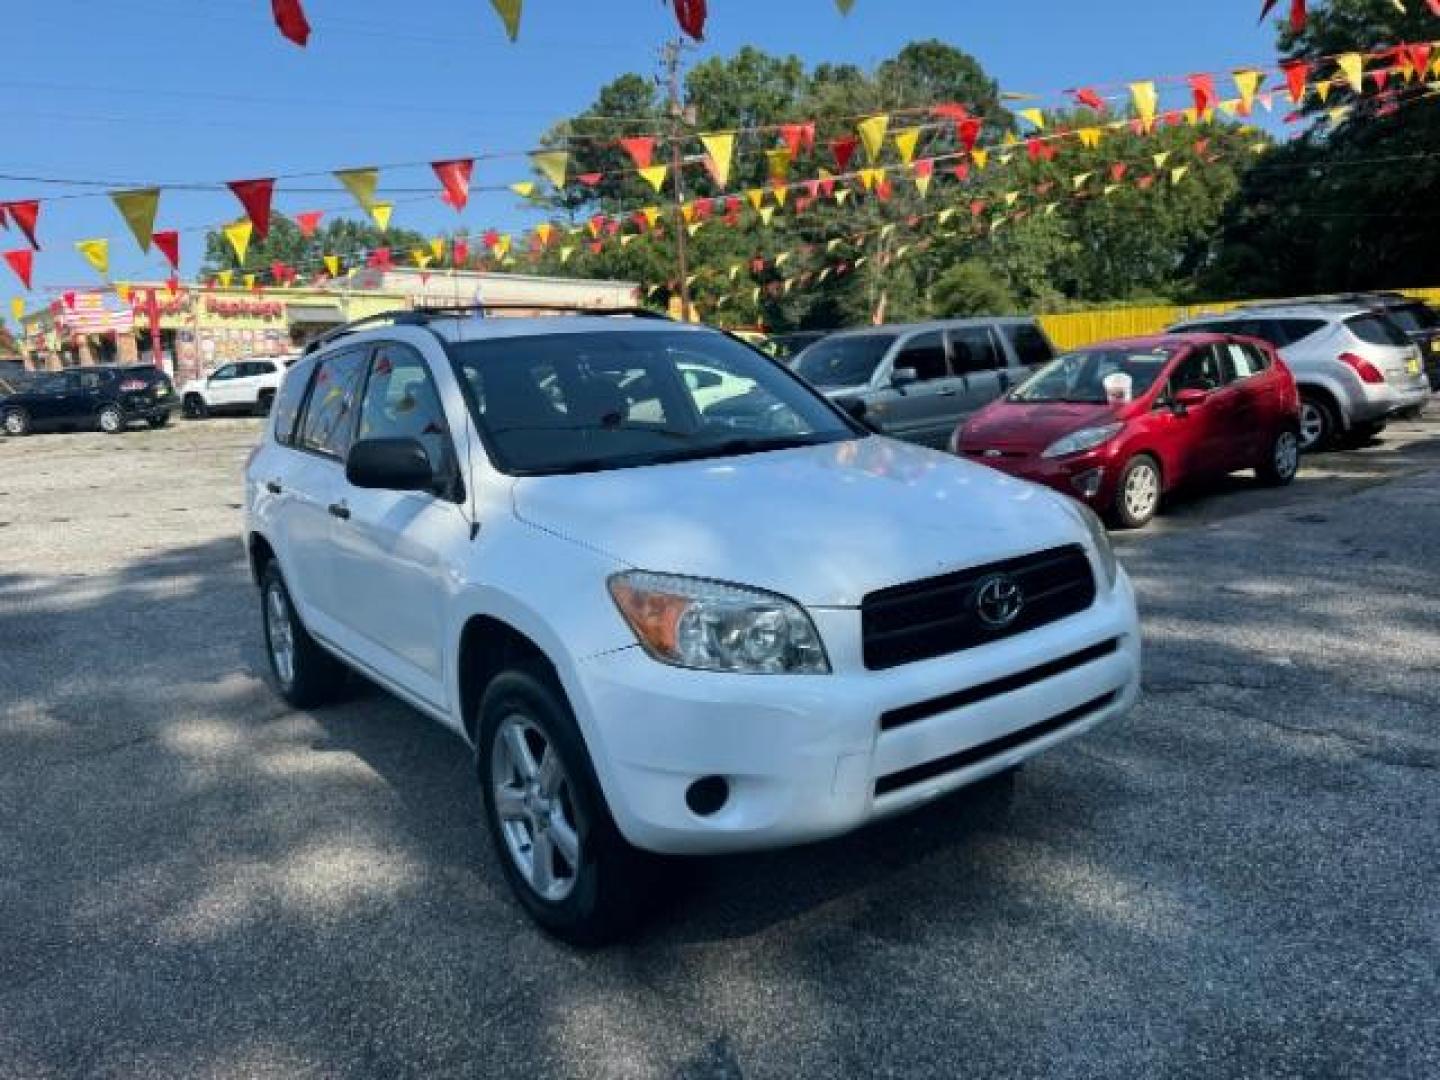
[1076, 328]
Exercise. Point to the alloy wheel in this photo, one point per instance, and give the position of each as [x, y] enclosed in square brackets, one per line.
[1312, 425]
[15, 423]
[1142, 490]
[281, 633]
[1286, 455]
[110, 420]
[535, 805]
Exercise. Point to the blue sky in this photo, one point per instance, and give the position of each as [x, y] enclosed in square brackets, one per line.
[203, 91]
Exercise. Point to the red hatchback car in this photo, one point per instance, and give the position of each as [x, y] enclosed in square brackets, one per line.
[1119, 423]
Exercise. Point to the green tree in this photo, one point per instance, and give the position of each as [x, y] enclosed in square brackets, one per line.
[351, 240]
[971, 288]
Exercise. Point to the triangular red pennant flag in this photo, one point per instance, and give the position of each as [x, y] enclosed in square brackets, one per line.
[25, 215]
[641, 150]
[309, 222]
[172, 283]
[454, 177]
[1296, 72]
[1117, 171]
[969, 131]
[290, 18]
[459, 251]
[1297, 14]
[1145, 181]
[169, 244]
[1381, 77]
[1201, 145]
[950, 110]
[255, 196]
[380, 259]
[1203, 87]
[69, 299]
[22, 262]
[691, 14]
[279, 271]
[793, 136]
[1419, 54]
[1090, 99]
[591, 179]
[977, 207]
[844, 150]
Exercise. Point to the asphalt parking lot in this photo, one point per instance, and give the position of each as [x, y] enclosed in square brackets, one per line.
[1241, 879]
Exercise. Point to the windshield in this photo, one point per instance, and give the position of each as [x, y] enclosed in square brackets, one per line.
[568, 403]
[1080, 376]
[845, 361]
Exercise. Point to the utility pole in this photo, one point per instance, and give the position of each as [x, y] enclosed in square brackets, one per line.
[671, 56]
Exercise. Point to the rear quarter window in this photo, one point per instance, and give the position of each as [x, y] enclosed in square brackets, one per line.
[287, 403]
[1376, 330]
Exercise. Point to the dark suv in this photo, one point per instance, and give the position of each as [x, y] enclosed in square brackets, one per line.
[107, 398]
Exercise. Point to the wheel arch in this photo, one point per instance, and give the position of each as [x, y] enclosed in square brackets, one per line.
[489, 645]
[1327, 395]
[260, 552]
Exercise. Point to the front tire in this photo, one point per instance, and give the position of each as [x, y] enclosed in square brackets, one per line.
[1318, 424]
[16, 422]
[560, 850]
[111, 420]
[1283, 462]
[1137, 493]
[304, 672]
[159, 420]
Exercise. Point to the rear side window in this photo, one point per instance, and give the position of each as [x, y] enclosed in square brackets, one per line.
[1376, 330]
[325, 427]
[1242, 361]
[975, 350]
[1300, 329]
[287, 404]
[1030, 345]
[926, 354]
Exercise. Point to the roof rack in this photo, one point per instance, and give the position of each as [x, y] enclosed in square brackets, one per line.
[421, 316]
[1359, 298]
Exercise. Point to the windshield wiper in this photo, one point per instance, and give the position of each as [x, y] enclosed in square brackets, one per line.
[667, 433]
[736, 447]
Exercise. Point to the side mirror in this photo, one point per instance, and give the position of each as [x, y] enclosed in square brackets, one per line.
[859, 412]
[902, 377]
[390, 465]
[1186, 400]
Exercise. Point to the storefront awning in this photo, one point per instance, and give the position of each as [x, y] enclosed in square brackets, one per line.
[312, 314]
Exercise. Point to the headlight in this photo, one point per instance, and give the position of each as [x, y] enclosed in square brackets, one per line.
[711, 626]
[1101, 539]
[1078, 442]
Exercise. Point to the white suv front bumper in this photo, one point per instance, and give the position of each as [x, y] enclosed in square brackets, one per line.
[807, 757]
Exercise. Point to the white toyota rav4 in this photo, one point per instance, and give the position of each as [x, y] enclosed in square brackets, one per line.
[668, 620]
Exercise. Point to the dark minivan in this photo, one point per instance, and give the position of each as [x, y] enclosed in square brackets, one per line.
[107, 399]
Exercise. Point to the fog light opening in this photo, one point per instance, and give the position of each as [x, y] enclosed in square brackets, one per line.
[1087, 484]
[707, 795]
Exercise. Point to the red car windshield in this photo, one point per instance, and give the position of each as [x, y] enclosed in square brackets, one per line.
[1081, 376]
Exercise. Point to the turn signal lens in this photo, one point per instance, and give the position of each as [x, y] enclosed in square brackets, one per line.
[1367, 371]
[712, 626]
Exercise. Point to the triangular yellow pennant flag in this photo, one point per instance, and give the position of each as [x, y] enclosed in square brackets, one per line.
[869, 177]
[553, 165]
[544, 231]
[861, 261]
[380, 212]
[782, 259]
[437, 248]
[1230, 106]
[1050, 208]
[735, 271]
[1161, 158]
[523, 188]
[628, 239]
[501, 247]
[1111, 188]
[138, 208]
[421, 258]
[239, 233]
[1192, 115]
[249, 280]
[778, 165]
[688, 212]
[906, 141]
[97, 254]
[756, 197]
[981, 158]
[655, 175]
[1078, 180]
[124, 292]
[721, 148]
[1010, 139]
[1146, 101]
[565, 254]
[946, 215]
[825, 273]
[652, 215]
[841, 194]
[510, 11]
[1089, 137]
[872, 134]
[780, 191]
[694, 227]
[17, 308]
[226, 278]
[332, 265]
[1010, 197]
[922, 183]
[766, 213]
[1247, 82]
[361, 183]
[1322, 89]
[1178, 173]
[1036, 118]
[1352, 66]
[1339, 113]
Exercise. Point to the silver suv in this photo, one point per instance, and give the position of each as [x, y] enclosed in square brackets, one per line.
[917, 382]
[1354, 366]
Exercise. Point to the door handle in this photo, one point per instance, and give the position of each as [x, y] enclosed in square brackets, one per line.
[946, 393]
[274, 487]
[340, 510]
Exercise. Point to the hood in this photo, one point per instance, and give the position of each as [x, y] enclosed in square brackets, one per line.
[1015, 425]
[824, 525]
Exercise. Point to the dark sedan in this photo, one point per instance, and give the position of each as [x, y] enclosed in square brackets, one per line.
[105, 398]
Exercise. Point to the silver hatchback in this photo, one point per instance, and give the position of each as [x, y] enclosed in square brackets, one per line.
[1355, 368]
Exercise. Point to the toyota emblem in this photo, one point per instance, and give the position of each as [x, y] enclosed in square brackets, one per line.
[999, 600]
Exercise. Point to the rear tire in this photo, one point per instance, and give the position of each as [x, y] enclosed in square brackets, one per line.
[543, 802]
[16, 422]
[1283, 462]
[195, 407]
[304, 672]
[111, 420]
[1137, 493]
[159, 420]
[264, 402]
[1318, 424]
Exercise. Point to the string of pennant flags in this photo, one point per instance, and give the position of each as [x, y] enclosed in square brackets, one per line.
[691, 15]
[945, 134]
